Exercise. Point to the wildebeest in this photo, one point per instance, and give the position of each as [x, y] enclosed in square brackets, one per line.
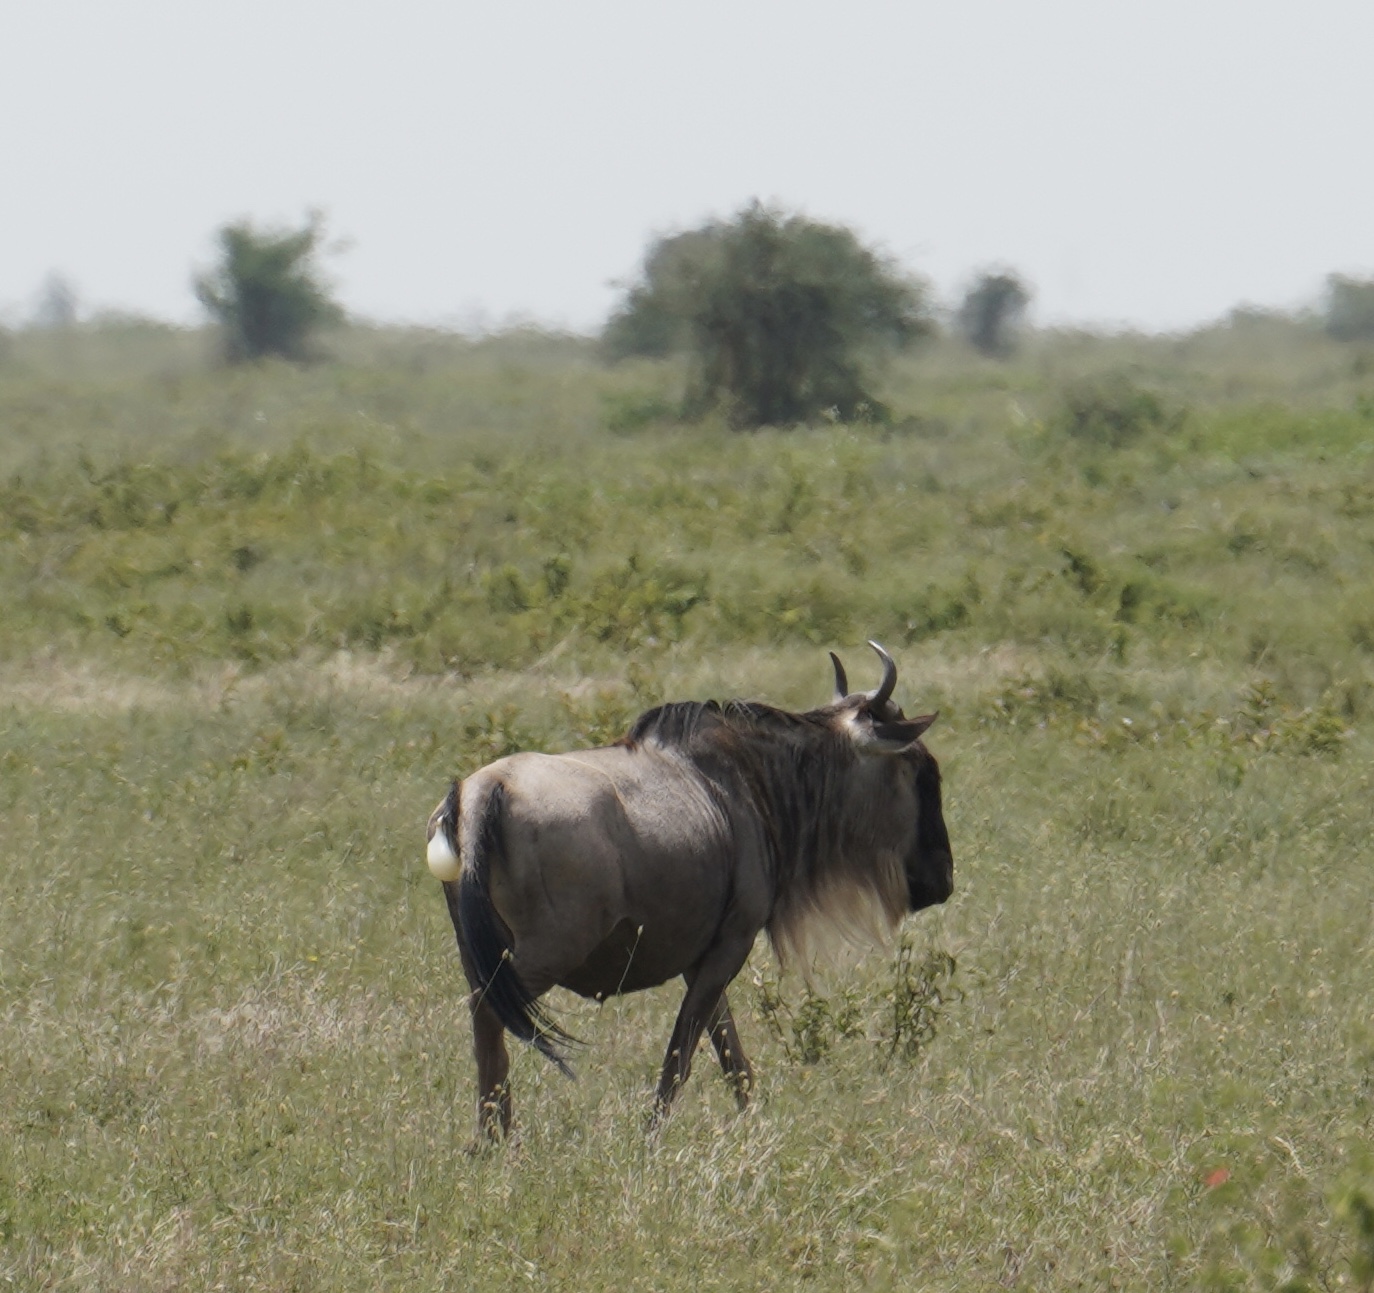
[614, 869]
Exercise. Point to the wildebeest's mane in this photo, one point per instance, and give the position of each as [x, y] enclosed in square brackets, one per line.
[679, 725]
[794, 771]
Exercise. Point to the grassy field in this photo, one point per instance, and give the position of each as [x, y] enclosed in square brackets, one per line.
[255, 620]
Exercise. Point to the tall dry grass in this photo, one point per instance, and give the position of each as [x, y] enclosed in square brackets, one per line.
[240, 658]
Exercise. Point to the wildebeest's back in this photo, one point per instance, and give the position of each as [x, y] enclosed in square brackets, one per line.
[618, 864]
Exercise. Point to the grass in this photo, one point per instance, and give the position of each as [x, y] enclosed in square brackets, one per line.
[240, 660]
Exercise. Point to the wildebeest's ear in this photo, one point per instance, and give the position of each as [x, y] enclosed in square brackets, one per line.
[891, 737]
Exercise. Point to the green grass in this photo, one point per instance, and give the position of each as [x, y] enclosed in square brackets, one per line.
[240, 660]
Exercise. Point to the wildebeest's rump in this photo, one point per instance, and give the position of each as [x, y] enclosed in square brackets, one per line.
[614, 869]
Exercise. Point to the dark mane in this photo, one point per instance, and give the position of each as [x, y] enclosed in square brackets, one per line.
[672, 725]
[682, 724]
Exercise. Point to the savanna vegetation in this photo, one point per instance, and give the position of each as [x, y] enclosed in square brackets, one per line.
[256, 617]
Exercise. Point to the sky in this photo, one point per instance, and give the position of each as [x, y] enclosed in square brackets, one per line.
[1147, 165]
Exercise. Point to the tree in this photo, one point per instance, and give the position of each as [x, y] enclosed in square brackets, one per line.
[266, 293]
[1349, 308]
[992, 312]
[55, 307]
[653, 320]
[779, 314]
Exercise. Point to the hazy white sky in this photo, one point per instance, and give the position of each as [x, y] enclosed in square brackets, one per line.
[1152, 164]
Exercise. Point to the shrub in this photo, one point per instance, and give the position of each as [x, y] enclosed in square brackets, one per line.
[56, 305]
[1354, 1205]
[653, 321]
[624, 413]
[266, 293]
[633, 604]
[1349, 313]
[992, 312]
[920, 991]
[777, 312]
[808, 1034]
[1113, 411]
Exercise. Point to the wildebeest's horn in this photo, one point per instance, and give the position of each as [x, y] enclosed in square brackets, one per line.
[841, 682]
[877, 699]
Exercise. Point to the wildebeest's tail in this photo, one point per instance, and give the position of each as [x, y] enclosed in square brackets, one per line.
[487, 943]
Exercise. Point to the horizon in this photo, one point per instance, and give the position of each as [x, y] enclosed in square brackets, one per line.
[478, 325]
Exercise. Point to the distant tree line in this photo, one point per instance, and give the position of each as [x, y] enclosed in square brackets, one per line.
[782, 319]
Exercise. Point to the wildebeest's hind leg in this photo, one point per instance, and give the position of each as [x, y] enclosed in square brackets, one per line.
[733, 1061]
[493, 1072]
[488, 1044]
[706, 986]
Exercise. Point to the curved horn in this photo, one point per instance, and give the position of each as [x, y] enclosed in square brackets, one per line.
[841, 682]
[877, 699]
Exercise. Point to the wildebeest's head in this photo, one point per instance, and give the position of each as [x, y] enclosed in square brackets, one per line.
[878, 727]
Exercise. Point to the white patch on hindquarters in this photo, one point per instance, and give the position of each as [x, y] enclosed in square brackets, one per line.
[443, 860]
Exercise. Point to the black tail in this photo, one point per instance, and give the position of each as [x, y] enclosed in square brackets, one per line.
[489, 950]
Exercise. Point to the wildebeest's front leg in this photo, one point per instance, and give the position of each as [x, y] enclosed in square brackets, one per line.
[705, 987]
[733, 1060]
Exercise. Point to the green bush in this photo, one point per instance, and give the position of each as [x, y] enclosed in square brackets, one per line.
[653, 321]
[1349, 313]
[1113, 412]
[634, 604]
[921, 990]
[631, 411]
[266, 293]
[777, 312]
[808, 1033]
[991, 313]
